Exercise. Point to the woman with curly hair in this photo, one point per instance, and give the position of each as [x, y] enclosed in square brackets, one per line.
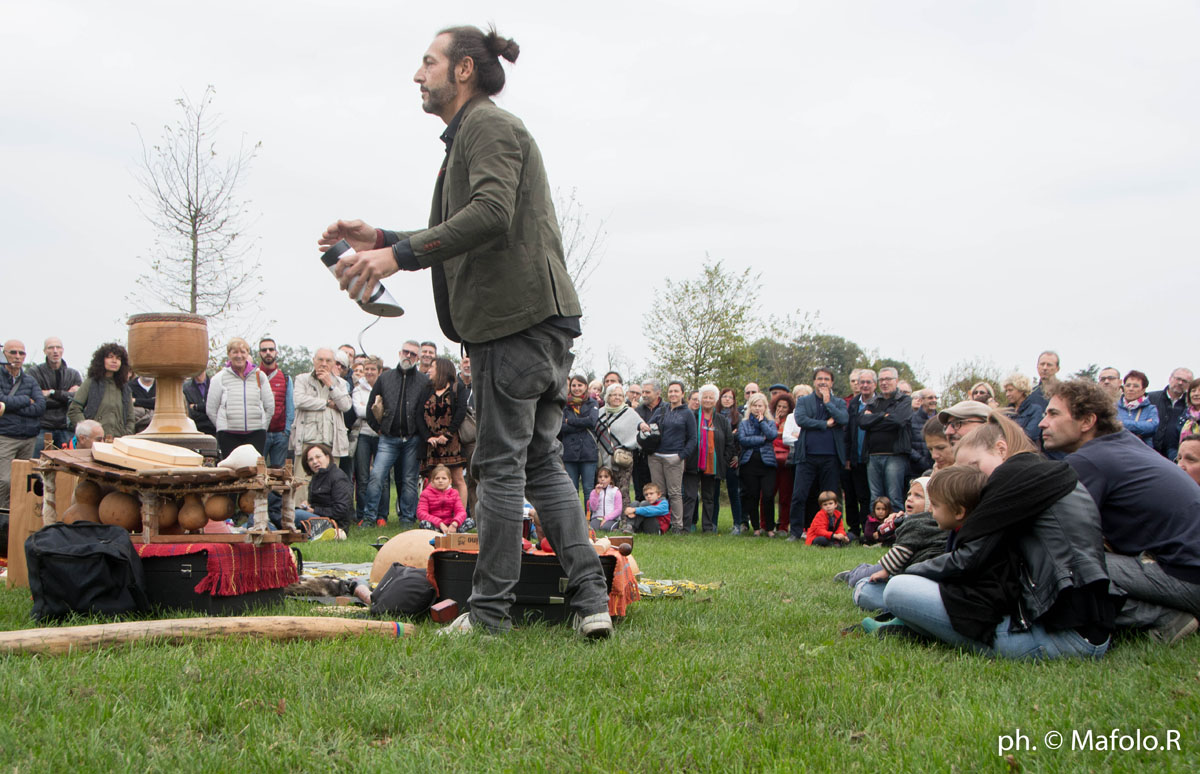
[1026, 413]
[443, 413]
[106, 395]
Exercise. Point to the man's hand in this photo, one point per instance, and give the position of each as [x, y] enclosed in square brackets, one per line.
[73, 389]
[823, 393]
[358, 274]
[325, 377]
[47, 393]
[830, 422]
[360, 235]
[377, 408]
[878, 576]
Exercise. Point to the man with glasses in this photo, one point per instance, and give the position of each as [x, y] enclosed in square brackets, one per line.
[1171, 404]
[1110, 381]
[651, 399]
[751, 388]
[888, 422]
[22, 405]
[394, 411]
[962, 418]
[924, 408]
[280, 426]
[855, 482]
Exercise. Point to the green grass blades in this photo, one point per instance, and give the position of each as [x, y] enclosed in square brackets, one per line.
[752, 676]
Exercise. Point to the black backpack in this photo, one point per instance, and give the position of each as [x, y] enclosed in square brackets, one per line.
[402, 590]
[84, 568]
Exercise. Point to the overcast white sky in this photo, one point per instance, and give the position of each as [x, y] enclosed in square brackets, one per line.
[937, 179]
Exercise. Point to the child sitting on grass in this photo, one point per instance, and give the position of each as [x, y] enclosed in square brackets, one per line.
[440, 508]
[651, 516]
[915, 503]
[879, 511]
[918, 538]
[604, 503]
[827, 528]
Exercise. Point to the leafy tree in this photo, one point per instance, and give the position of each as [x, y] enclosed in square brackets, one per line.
[1091, 373]
[697, 328]
[190, 196]
[294, 360]
[965, 373]
[904, 370]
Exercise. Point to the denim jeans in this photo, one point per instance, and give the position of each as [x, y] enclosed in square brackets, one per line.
[276, 450]
[582, 475]
[60, 437]
[868, 595]
[917, 602]
[393, 449]
[364, 455]
[885, 472]
[520, 384]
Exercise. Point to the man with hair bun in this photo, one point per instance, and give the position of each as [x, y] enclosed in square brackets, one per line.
[501, 288]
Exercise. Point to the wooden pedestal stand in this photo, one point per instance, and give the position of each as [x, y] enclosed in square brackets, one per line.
[151, 487]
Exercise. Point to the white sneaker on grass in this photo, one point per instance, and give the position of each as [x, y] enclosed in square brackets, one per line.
[596, 626]
[460, 625]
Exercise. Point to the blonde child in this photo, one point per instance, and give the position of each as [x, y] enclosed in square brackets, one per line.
[604, 503]
[652, 515]
[440, 507]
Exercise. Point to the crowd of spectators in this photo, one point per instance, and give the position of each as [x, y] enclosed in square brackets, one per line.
[1114, 466]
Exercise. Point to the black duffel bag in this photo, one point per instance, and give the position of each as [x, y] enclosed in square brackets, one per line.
[84, 568]
[402, 590]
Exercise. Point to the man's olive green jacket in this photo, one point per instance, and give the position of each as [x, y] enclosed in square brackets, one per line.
[493, 243]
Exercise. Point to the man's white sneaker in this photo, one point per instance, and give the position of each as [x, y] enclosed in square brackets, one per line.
[460, 625]
[596, 626]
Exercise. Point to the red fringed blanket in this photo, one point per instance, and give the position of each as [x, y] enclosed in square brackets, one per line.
[233, 568]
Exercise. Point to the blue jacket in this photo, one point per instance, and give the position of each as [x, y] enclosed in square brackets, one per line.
[919, 459]
[23, 409]
[578, 441]
[1142, 421]
[1029, 415]
[756, 436]
[806, 416]
[678, 428]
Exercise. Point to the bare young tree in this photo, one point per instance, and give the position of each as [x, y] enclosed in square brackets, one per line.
[583, 246]
[190, 196]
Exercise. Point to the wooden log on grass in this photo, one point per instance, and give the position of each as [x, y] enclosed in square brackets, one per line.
[280, 628]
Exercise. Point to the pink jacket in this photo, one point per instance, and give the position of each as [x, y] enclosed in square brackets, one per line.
[441, 507]
[605, 505]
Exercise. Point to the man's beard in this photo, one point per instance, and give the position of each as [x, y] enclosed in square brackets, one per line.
[438, 97]
[406, 364]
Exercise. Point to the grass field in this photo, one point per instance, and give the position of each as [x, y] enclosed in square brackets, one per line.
[754, 676]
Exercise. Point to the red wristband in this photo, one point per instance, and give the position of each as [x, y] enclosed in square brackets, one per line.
[378, 239]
